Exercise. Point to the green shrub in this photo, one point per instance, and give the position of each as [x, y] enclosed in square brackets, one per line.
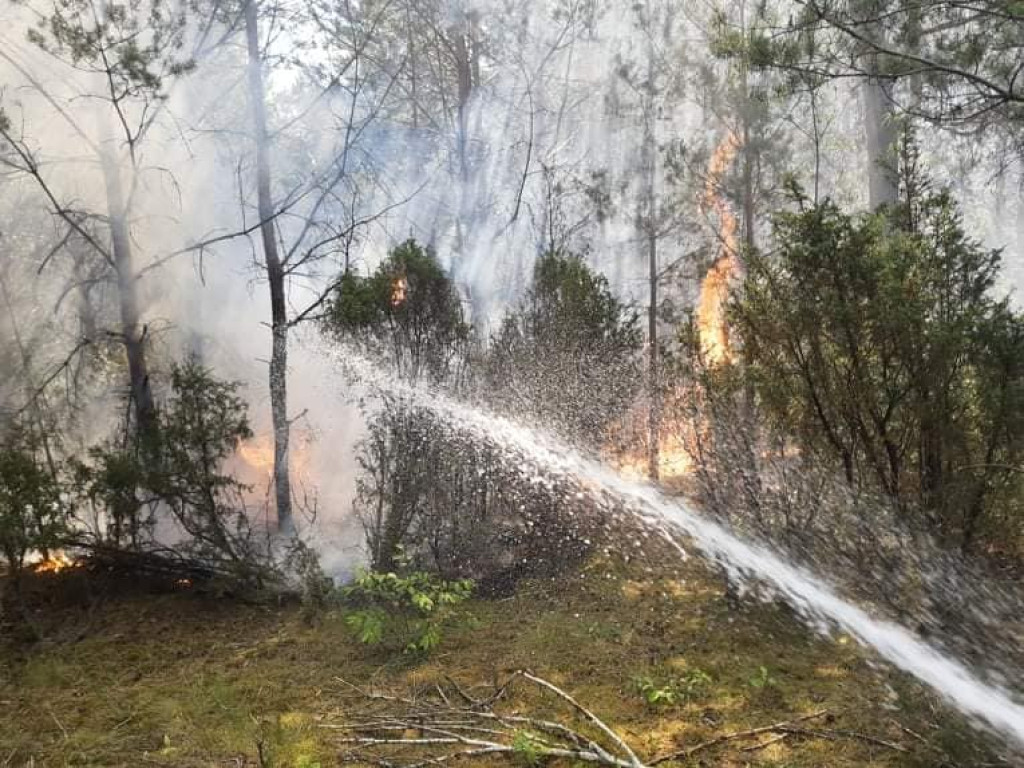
[691, 685]
[33, 516]
[528, 748]
[762, 679]
[181, 471]
[317, 589]
[403, 612]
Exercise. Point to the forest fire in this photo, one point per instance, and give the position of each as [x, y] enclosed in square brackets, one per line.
[399, 288]
[714, 291]
[674, 460]
[257, 454]
[56, 562]
[674, 457]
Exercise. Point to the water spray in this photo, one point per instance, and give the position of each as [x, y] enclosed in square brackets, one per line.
[811, 596]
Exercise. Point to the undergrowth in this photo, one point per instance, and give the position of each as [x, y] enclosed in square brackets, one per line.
[182, 679]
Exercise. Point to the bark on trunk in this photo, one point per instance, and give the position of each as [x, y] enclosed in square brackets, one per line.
[650, 224]
[653, 383]
[463, 52]
[881, 138]
[132, 329]
[275, 274]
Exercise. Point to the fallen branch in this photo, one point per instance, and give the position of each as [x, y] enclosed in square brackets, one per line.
[451, 725]
[775, 728]
[475, 729]
[588, 715]
[843, 734]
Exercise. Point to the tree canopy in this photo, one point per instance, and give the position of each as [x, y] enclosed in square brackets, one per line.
[878, 341]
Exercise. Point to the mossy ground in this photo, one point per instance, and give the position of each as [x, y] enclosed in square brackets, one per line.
[182, 679]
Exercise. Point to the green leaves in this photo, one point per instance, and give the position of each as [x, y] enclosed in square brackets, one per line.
[762, 679]
[528, 748]
[407, 311]
[368, 625]
[692, 684]
[873, 340]
[406, 612]
[134, 45]
[180, 464]
[33, 515]
[569, 354]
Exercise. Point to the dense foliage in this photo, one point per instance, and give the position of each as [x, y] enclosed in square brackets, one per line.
[34, 515]
[406, 612]
[569, 355]
[432, 496]
[133, 484]
[876, 341]
[407, 313]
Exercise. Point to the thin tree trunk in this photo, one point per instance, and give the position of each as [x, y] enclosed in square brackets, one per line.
[85, 308]
[881, 139]
[653, 382]
[817, 145]
[132, 329]
[275, 274]
[650, 150]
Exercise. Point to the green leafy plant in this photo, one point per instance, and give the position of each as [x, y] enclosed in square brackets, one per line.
[691, 685]
[655, 695]
[527, 748]
[762, 679]
[695, 683]
[33, 516]
[407, 611]
[181, 469]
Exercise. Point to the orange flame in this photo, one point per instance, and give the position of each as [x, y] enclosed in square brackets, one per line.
[674, 460]
[676, 440]
[714, 290]
[257, 454]
[399, 288]
[57, 561]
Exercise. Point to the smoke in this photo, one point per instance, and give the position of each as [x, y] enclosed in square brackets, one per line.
[545, 150]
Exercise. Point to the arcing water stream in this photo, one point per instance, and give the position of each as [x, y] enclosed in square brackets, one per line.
[814, 599]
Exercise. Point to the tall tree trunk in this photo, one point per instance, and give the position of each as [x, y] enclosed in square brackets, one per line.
[275, 274]
[881, 139]
[653, 379]
[650, 226]
[132, 329]
[465, 51]
[880, 131]
[749, 193]
[84, 306]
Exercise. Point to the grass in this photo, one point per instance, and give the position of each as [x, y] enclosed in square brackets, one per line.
[181, 679]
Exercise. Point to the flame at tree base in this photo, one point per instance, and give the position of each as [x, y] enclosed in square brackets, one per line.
[674, 461]
[711, 309]
[57, 562]
[675, 457]
[714, 290]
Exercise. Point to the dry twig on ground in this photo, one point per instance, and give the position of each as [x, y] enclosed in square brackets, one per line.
[444, 726]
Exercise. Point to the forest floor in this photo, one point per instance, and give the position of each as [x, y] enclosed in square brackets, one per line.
[179, 678]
